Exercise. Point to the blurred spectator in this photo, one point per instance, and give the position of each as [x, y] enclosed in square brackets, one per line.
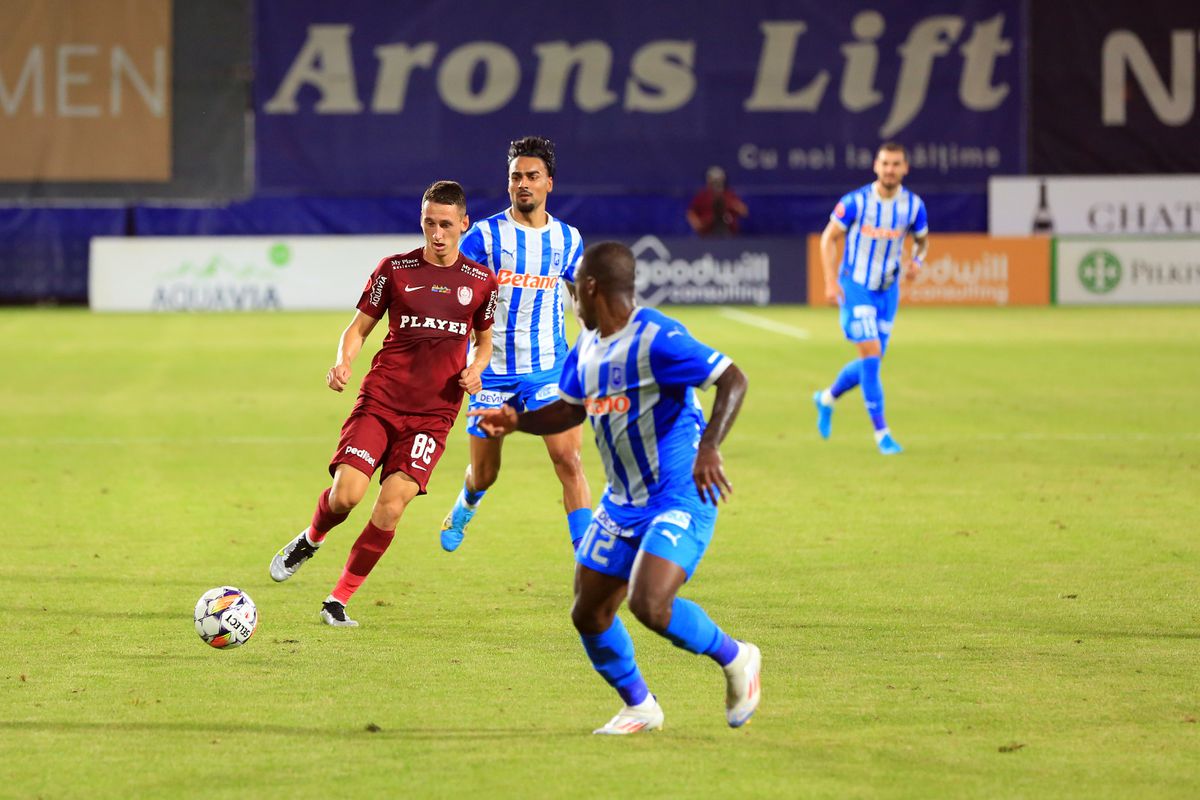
[715, 210]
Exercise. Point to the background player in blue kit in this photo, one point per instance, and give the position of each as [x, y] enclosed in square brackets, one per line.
[632, 373]
[873, 222]
[533, 255]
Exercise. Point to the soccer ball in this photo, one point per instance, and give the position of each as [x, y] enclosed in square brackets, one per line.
[226, 617]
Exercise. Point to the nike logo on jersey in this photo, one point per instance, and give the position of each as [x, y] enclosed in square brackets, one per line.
[412, 288]
[415, 465]
[674, 537]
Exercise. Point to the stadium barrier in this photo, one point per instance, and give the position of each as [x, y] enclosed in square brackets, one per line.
[235, 273]
[735, 271]
[1094, 205]
[966, 269]
[285, 273]
[1094, 270]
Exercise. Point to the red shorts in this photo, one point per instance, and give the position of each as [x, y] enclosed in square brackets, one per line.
[373, 440]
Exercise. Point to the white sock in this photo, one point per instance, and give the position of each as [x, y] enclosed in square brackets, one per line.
[882, 432]
[646, 704]
[308, 538]
[827, 398]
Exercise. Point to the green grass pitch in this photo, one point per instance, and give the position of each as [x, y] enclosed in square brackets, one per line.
[1007, 609]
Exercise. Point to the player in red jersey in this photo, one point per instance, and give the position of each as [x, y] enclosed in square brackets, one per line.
[436, 300]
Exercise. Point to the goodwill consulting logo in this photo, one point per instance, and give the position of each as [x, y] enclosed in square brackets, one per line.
[1099, 271]
[700, 276]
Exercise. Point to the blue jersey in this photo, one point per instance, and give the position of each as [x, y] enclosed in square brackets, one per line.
[875, 230]
[637, 387]
[530, 265]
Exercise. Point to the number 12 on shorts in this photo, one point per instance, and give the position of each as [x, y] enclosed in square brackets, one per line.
[597, 542]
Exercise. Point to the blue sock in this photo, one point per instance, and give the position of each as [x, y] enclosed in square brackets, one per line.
[847, 379]
[727, 651]
[873, 391]
[472, 498]
[577, 522]
[691, 629]
[611, 653]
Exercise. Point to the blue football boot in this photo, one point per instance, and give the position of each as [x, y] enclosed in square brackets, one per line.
[824, 415]
[454, 527]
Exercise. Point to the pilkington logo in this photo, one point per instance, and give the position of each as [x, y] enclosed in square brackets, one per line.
[1099, 272]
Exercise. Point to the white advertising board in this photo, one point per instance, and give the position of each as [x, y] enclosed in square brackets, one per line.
[235, 273]
[1138, 205]
[1113, 271]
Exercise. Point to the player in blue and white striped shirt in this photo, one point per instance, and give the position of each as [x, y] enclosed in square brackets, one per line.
[873, 222]
[534, 256]
[633, 374]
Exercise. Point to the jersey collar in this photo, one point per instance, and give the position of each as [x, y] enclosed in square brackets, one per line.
[549, 221]
[612, 337]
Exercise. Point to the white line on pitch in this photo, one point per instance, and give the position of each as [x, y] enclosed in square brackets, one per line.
[761, 322]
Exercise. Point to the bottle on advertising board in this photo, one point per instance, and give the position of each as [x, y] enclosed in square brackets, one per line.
[1043, 223]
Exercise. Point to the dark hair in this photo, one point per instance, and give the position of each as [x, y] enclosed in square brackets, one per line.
[612, 265]
[893, 147]
[447, 193]
[533, 147]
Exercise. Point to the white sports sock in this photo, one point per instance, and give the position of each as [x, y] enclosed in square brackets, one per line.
[827, 398]
[882, 432]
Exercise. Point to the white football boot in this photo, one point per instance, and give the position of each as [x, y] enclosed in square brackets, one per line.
[743, 687]
[333, 612]
[645, 716]
[291, 557]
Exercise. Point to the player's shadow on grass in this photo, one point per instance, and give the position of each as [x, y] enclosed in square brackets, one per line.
[88, 613]
[140, 582]
[1099, 635]
[226, 729]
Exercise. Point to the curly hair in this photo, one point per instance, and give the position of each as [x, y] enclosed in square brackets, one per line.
[534, 147]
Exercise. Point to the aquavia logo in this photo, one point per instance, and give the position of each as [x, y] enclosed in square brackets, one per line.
[223, 282]
[1099, 272]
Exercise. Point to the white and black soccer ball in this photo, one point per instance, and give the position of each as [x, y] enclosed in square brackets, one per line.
[226, 617]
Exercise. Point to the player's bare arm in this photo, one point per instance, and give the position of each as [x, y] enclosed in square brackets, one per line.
[919, 252]
[557, 417]
[469, 378]
[831, 240]
[711, 482]
[348, 347]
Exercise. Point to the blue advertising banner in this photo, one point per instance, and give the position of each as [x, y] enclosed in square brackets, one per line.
[750, 271]
[367, 97]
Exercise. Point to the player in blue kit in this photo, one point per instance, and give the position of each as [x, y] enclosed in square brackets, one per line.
[534, 256]
[873, 222]
[633, 373]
